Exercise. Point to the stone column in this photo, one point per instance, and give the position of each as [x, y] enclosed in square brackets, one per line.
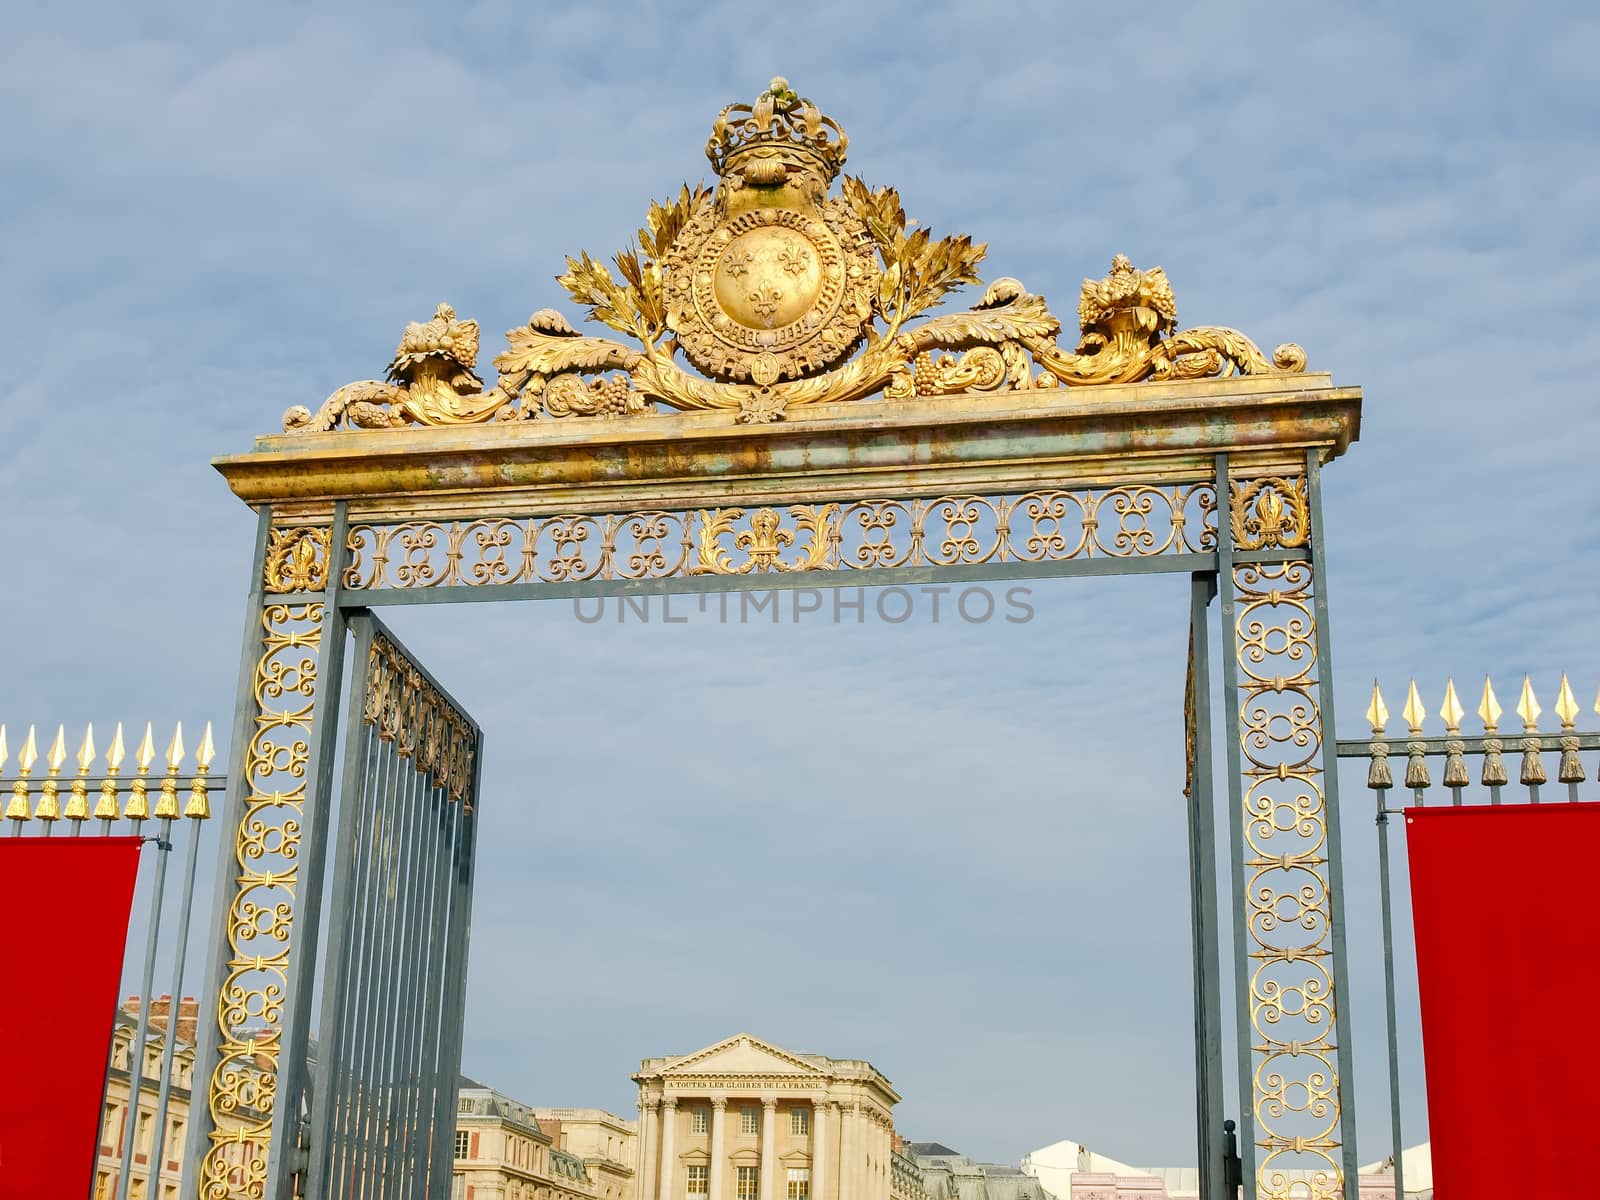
[769, 1149]
[719, 1157]
[847, 1155]
[863, 1151]
[819, 1149]
[669, 1149]
[644, 1178]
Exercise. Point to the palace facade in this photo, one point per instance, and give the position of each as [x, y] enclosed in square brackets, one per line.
[746, 1120]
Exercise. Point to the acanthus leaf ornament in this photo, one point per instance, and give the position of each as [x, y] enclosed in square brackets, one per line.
[780, 296]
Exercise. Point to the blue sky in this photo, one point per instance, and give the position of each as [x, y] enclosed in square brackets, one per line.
[974, 875]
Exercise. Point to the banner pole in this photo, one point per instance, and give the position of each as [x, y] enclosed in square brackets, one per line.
[1388, 994]
[142, 1027]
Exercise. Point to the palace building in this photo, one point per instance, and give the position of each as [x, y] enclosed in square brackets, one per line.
[746, 1120]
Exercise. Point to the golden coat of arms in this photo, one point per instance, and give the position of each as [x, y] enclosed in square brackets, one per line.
[777, 294]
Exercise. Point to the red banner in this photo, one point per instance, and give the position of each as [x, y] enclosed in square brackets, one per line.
[65, 905]
[1508, 965]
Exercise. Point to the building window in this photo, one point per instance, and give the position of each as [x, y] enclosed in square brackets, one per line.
[458, 1188]
[800, 1121]
[699, 1121]
[749, 1183]
[799, 1183]
[464, 1104]
[102, 1186]
[175, 1140]
[462, 1137]
[749, 1119]
[698, 1183]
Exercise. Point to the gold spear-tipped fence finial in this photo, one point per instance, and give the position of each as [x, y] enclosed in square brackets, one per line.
[1493, 774]
[1451, 709]
[49, 807]
[138, 808]
[167, 803]
[199, 805]
[5, 751]
[1413, 712]
[1378, 774]
[1455, 762]
[1566, 704]
[1528, 709]
[1489, 707]
[105, 808]
[1377, 711]
[1570, 767]
[17, 807]
[78, 806]
[1416, 751]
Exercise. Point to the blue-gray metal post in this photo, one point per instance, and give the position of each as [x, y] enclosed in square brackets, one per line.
[1204, 902]
[284, 1159]
[440, 1152]
[1330, 799]
[180, 955]
[142, 1026]
[1385, 905]
[208, 1036]
[348, 845]
[1236, 849]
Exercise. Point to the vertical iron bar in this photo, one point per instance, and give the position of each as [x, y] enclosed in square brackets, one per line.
[1388, 993]
[443, 820]
[283, 1151]
[374, 1015]
[397, 1027]
[1204, 903]
[416, 1000]
[357, 1041]
[142, 1025]
[381, 1025]
[355, 1090]
[1346, 1090]
[180, 955]
[459, 936]
[346, 877]
[208, 1035]
[1236, 848]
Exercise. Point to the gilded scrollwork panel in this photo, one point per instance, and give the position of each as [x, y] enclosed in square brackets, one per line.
[1288, 909]
[428, 731]
[1129, 521]
[242, 1090]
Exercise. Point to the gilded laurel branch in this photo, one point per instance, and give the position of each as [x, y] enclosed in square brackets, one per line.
[766, 294]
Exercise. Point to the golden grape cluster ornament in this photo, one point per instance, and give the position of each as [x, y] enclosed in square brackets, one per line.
[774, 294]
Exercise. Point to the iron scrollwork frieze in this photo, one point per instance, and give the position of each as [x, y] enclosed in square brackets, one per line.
[1129, 521]
[426, 729]
[1288, 907]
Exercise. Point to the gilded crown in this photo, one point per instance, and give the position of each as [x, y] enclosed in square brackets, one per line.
[781, 129]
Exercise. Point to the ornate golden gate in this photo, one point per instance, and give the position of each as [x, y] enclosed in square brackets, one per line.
[829, 434]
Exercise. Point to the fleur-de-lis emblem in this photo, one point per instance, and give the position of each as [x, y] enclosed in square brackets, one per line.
[765, 300]
[794, 259]
[764, 540]
[737, 262]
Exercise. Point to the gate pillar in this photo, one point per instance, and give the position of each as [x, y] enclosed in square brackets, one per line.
[1292, 1024]
[257, 987]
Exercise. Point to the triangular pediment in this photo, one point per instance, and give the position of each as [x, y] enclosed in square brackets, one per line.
[741, 1055]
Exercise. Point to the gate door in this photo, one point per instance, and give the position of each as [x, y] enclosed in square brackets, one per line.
[389, 1050]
